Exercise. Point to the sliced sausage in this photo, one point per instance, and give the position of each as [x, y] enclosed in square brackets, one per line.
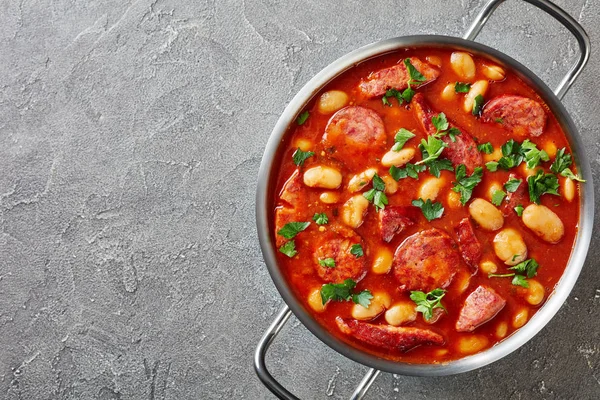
[394, 219]
[462, 151]
[481, 306]
[395, 77]
[426, 260]
[336, 242]
[291, 191]
[389, 337]
[470, 248]
[283, 215]
[354, 130]
[520, 115]
[513, 199]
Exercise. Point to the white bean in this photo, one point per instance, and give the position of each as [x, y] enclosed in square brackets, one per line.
[543, 222]
[391, 186]
[431, 188]
[463, 65]
[478, 88]
[354, 210]
[323, 177]
[435, 60]
[535, 292]
[303, 144]
[359, 181]
[397, 158]
[379, 303]
[569, 189]
[501, 330]
[472, 343]
[315, 302]
[520, 318]
[329, 197]
[448, 93]
[486, 214]
[401, 313]
[454, 200]
[510, 247]
[382, 262]
[332, 101]
[493, 72]
[488, 267]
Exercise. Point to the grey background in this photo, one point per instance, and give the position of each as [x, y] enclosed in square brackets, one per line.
[130, 139]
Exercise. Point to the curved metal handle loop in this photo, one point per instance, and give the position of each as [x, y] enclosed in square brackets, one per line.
[271, 383]
[561, 16]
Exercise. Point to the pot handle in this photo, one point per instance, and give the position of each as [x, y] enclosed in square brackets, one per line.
[561, 16]
[271, 383]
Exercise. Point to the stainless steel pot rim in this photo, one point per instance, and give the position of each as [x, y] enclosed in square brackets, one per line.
[564, 286]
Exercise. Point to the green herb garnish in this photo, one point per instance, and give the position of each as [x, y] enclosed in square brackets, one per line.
[430, 210]
[291, 229]
[427, 302]
[465, 184]
[540, 184]
[402, 136]
[300, 156]
[343, 292]
[302, 118]
[357, 250]
[289, 249]
[320, 218]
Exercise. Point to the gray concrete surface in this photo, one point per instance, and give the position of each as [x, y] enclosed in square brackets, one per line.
[130, 139]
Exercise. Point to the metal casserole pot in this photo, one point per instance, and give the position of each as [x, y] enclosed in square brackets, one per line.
[268, 167]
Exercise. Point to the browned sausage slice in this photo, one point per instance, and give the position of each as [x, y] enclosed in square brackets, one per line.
[291, 189]
[520, 115]
[481, 306]
[519, 196]
[283, 215]
[462, 151]
[394, 219]
[336, 243]
[395, 77]
[470, 247]
[389, 337]
[426, 260]
[353, 131]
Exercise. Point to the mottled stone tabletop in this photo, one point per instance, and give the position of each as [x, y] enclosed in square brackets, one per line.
[130, 139]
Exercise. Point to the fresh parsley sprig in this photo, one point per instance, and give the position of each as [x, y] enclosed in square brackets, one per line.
[465, 184]
[300, 156]
[291, 229]
[289, 249]
[401, 137]
[377, 194]
[561, 165]
[414, 78]
[320, 218]
[427, 302]
[344, 292]
[430, 210]
[409, 170]
[542, 183]
[524, 270]
[357, 250]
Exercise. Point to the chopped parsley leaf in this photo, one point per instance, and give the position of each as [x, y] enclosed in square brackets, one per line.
[492, 166]
[460, 87]
[409, 170]
[343, 292]
[377, 195]
[430, 210]
[453, 133]
[302, 118]
[440, 122]
[477, 105]
[291, 229]
[528, 267]
[402, 136]
[533, 155]
[540, 184]
[327, 262]
[436, 166]
[486, 148]
[497, 197]
[320, 218]
[499, 120]
[357, 250]
[512, 185]
[465, 184]
[289, 249]
[427, 302]
[433, 146]
[415, 77]
[300, 156]
[561, 165]
[519, 280]
[519, 209]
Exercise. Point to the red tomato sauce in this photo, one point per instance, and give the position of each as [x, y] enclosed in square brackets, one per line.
[300, 270]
